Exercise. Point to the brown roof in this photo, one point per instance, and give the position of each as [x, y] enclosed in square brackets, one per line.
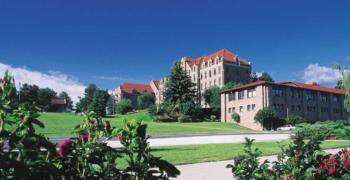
[58, 101]
[226, 54]
[292, 84]
[139, 88]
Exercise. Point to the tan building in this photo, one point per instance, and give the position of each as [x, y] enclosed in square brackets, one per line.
[131, 91]
[313, 103]
[216, 69]
[155, 85]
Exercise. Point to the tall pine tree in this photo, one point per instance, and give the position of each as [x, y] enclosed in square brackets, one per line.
[179, 92]
[99, 102]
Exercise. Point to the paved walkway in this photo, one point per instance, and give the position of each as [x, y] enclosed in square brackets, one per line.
[211, 139]
[216, 170]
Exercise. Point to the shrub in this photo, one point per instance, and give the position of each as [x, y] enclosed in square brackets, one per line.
[247, 166]
[268, 119]
[124, 106]
[32, 156]
[236, 117]
[213, 118]
[141, 163]
[293, 120]
[145, 100]
[184, 118]
[326, 129]
[299, 160]
[152, 110]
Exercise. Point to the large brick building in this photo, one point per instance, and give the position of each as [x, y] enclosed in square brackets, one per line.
[216, 69]
[131, 91]
[312, 102]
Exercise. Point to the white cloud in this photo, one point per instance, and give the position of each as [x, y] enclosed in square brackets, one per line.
[54, 80]
[348, 58]
[321, 74]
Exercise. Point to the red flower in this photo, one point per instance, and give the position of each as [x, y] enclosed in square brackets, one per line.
[84, 138]
[64, 148]
[281, 177]
[331, 171]
[347, 163]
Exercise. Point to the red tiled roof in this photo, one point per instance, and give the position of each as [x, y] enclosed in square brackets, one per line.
[315, 87]
[293, 84]
[156, 83]
[227, 55]
[140, 88]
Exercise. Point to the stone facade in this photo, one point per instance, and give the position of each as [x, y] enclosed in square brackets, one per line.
[216, 69]
[313, 103]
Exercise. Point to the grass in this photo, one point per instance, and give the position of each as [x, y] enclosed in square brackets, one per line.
[190, 154]
[62, 125]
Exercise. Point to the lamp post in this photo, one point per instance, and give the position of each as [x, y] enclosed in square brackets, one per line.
[19, 92]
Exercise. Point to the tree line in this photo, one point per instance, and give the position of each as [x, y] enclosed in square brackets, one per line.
[42, 97]
[94, 99]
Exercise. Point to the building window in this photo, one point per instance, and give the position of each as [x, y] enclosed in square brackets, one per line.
[241, 94]
[219, 81]
[229, 110]
[233, 109]
[205, 75]
[248, 107]
[335, 98]
[231, 97]
[209, 74]
[240, 108]
[253, 107]
[214, 72]
[323, 98]
[251, 93]
[277, 92]
[324, 109]
[310, 95]
[219, 70]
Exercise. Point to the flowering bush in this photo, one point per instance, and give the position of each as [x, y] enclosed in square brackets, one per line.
[24, 154]
[335, 166]
[247, 166]
[300, 160]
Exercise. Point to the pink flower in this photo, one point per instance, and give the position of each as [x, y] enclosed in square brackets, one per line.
[331, 170]
[64, 148]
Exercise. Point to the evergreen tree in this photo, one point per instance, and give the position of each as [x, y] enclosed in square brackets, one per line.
[84, 103]
[69, 102]
[266, 77]
[179, 91]
[29, 94]
[231, 85]
[253, 77]
[99, 102]
[44, 98]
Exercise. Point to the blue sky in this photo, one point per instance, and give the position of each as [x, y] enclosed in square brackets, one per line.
[108, 42]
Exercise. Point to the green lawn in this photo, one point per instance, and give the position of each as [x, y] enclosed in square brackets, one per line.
[190, 154]
[62, 125]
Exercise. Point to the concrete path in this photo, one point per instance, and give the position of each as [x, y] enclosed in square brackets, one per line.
[213, 139]
[216, 170]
